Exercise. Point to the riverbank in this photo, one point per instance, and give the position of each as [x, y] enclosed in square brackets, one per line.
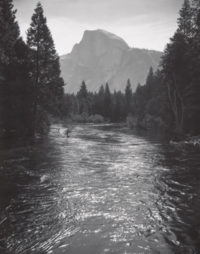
[156, 127]
[193, 141]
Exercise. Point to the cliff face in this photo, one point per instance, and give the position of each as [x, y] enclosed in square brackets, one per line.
[103, 57]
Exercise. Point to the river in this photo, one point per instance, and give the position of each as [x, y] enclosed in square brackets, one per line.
[103, 190]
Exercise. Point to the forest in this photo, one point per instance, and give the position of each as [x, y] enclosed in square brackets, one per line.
[32, 87]
[170, 99]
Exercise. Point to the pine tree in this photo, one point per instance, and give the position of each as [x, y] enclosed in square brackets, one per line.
[99, 102]
[128, 97]
[15, 88]
[46, 67]
[107, 102]
[185, 19]
[176, 66]
[150, 77]
[9, 32]
[193, 91]
[83, 99]
[119, 107]
[195, 6]
[150, 83]
[83, 93]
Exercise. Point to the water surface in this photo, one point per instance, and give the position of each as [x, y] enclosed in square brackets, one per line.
[103, 190]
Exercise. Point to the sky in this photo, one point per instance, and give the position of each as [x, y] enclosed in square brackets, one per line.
[141, 23]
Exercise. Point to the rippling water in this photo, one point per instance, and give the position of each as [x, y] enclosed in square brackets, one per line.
[103, 190]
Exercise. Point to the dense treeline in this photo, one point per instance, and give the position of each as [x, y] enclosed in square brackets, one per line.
[100, 106]
[181, 65]
[151, 109]
[30, 85]
[170, 100]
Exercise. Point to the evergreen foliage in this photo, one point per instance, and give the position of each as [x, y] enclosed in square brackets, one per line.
[83, 99]
[170, 99]
[107, 102]
[30, 82]
[112, 107]
[181, 69]
[46, 68]
[128, 96]
[15, 87]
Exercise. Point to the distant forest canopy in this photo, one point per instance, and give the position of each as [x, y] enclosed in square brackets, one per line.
[102, 106]
[32, 88]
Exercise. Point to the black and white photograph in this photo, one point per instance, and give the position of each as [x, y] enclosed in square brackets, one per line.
[99, 126]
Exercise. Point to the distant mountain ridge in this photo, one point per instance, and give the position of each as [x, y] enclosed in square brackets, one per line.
[102, 57]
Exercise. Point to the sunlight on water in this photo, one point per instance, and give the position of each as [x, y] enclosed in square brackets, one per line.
[103, 190]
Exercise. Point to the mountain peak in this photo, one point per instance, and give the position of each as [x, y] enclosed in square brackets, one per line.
[102, 57]
[104, 36]
[104, 33]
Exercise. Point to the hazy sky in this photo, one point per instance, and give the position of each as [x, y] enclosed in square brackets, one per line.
[141, 23]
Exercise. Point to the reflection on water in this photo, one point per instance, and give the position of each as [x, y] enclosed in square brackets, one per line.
[103, 190]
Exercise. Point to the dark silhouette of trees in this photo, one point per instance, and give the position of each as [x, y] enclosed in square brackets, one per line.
[83, 99]
[15, 88]
[30, 82]
[119, 107]
[99, 101]
[107, 102]
[170, 99]
[128, 97]
[181, 69]
[48, 85]
[111, 106]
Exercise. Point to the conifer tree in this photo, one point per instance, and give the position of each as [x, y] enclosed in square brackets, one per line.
[107, 102]
[46, 67]
[149, 83]
[83, 93]
[9, 32]
[119, 107]
[150, 77]
[185, 19]
[100, 101]
[83, 99]
[193, 91]
[128, 97]
[15, 88]
[176, 66]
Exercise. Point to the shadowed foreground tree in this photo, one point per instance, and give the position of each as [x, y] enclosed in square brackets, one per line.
[170, 99]
[15, 88]
[48, 85]
[181, 69]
